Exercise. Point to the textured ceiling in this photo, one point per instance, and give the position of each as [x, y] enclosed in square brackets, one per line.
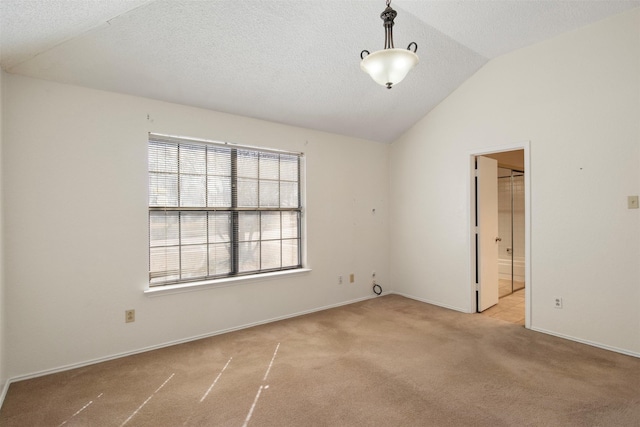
[287, 61]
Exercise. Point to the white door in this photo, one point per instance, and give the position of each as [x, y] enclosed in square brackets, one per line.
[487, 223]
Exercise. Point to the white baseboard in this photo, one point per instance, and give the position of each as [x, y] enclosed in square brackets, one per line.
[439, 304]
[3, 393]
[587, 342]
[544, 331]
[275, 319]
[175, 342]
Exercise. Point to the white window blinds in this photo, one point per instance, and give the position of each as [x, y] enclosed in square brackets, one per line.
[219, 210]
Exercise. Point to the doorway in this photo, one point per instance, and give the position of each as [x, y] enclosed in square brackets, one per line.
[510, 229]
[505, 249]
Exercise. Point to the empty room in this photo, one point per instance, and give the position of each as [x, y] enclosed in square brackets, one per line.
[319, 213]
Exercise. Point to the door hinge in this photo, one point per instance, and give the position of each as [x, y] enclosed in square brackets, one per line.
[477, 286]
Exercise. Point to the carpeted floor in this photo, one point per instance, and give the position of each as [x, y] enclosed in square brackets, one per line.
[388, 361]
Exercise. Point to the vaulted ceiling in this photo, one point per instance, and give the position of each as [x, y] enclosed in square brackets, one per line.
[288, 61]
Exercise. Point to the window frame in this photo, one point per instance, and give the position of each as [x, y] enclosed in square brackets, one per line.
[235, 212]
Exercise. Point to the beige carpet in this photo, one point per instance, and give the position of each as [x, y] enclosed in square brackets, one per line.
[389, 361]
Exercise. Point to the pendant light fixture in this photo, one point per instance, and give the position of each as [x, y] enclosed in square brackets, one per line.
[390, 65]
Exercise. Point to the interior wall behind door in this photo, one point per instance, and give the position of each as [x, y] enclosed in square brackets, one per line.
[511, 225]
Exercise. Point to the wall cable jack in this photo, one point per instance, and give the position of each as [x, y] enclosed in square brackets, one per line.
[377, 289]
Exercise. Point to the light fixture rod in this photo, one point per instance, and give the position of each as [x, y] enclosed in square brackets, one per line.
[388, 15]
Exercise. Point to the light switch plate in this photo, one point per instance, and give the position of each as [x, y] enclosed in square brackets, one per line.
[632, 202]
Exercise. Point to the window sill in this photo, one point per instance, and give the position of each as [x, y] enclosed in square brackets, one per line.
[221, 283]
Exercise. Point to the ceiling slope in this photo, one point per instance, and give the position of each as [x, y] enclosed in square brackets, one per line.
[288, 61]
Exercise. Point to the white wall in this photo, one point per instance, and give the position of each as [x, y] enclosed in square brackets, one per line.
[3, 371]
[76, 231]
[576, 98]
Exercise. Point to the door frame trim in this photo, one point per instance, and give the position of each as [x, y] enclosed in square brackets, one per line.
[524, 145]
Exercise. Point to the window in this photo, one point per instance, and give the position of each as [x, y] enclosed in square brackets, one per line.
[220, 210]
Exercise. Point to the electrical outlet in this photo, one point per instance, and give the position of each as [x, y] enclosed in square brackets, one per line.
[557, 302]
[632, 202]
[129, 316]
[352, 278]
[339, 280]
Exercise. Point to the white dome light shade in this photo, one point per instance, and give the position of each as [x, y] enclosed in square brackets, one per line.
[389, 66]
